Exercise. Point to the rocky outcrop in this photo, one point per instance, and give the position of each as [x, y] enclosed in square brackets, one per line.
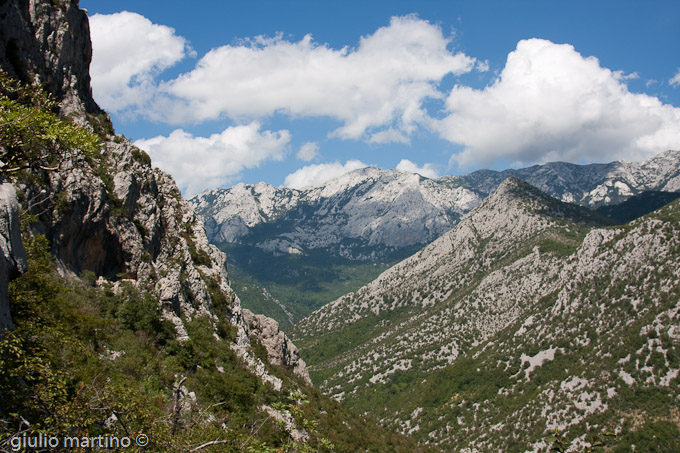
[119, 218]
[48, 42]
[280, 349]
[12, 253]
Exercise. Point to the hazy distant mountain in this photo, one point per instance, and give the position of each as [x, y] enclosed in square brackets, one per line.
[591, 185]
[529, 314]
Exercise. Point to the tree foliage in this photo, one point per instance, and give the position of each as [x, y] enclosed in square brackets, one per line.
[32, 136]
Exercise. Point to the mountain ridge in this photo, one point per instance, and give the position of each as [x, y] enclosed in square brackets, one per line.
[368, 214]
[367, 205]
[484, 339]
[377, 217]
[527, 207]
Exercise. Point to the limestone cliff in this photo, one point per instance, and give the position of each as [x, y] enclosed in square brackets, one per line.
[112, 214]
[48, 42]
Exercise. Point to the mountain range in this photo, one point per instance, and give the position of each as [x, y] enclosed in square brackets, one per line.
[369, 212]
[291, 251]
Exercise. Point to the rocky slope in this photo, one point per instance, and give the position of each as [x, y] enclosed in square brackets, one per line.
[527, 316]
[126, 325]
[112, 214]
[125, 221]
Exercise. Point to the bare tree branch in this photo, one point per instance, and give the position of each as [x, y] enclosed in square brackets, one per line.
[208, 444]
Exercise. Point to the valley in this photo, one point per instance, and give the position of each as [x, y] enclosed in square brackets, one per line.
[289, 287]
[497, 319]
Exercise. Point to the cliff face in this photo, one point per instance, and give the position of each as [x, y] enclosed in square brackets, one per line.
[113, 214]
[125, 221]
[49, 42]
[12, 253]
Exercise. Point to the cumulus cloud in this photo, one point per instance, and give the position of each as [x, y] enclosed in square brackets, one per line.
[675, 81]
[551, 103]
[199, 163]
[128, 52]
[427, 170]
[308, 151]
[381, 83]
[318, 174]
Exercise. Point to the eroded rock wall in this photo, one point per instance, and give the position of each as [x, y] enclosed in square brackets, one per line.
[12, 253]
[48, 42]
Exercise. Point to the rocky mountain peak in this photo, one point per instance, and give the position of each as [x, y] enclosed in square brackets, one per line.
[361, 215]
[515, 194]
[513, 188]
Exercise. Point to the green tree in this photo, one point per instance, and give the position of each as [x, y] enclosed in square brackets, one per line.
[32, 136]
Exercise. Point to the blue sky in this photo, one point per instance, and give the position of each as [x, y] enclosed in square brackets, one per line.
[292, 93]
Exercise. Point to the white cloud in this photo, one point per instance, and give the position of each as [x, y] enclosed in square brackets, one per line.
[675, 81]
[316, 175]
[382, 83]
[308, 151]
[199, 163]
[620, 75]
[389, 136]
[550, 103]
[427, 170]
[128, 52]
